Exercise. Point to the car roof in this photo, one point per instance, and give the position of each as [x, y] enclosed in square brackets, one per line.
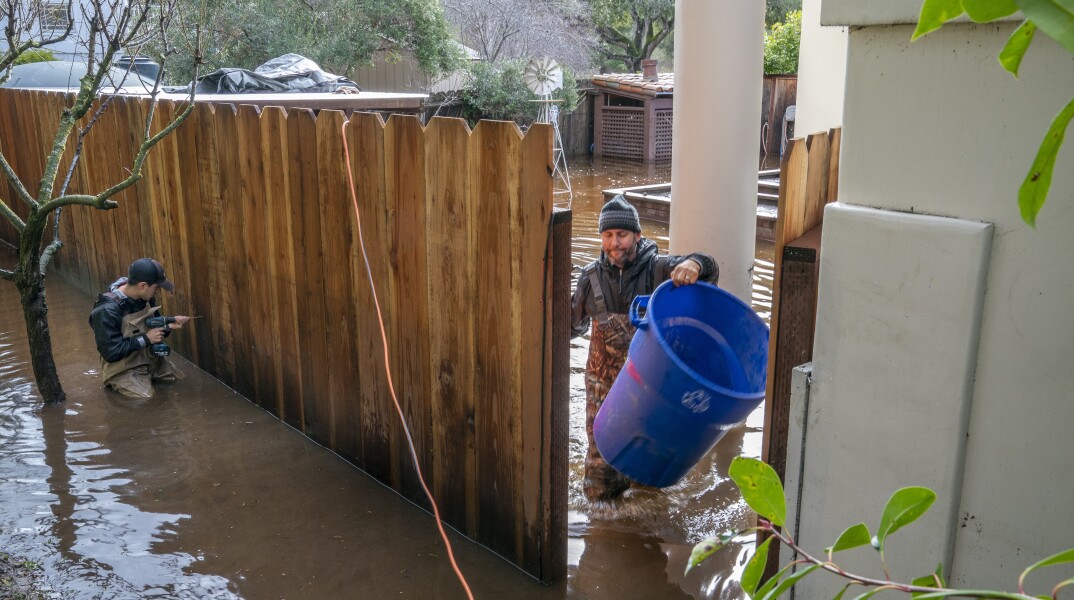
[65, 75]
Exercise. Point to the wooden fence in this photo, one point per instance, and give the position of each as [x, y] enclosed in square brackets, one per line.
[809, 179]
[249, 210]
[777, 93]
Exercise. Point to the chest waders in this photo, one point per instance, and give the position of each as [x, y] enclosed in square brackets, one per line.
[608, 345]
[133, 375]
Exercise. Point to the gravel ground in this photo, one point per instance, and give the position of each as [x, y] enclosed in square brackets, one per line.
[20, 579]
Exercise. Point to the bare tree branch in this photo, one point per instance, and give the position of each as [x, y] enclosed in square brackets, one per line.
[7, 275]
[102, 200]
[11, 216]
[16, 183]
[46, 255]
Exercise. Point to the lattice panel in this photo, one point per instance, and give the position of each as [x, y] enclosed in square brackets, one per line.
[623, 133]
[662, 131]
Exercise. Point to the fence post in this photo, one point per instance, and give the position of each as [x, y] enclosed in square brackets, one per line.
[556, 412]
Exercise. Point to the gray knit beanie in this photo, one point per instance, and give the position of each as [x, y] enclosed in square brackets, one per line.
[619, 214]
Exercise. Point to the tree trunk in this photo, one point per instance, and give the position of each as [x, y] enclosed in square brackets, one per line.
[35, 311]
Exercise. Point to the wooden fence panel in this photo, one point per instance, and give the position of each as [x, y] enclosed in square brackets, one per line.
[306, 223]
[178, 171]
[494, 187]
[256, 301]
[451, 311]
[534, 240]
[251, 214]
[404, 154]
[835, 135]
[232, 254]
[197, 136]
[124, 147]
[13, 134]
[366, 146]
[337, 227]
[286, 365]
[806, 175]
[817, 173]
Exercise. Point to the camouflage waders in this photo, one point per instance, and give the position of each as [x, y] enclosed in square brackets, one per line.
[608, 345]
[134, 375]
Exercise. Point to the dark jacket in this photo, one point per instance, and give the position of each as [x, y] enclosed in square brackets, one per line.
[647, 271]
[106, 319]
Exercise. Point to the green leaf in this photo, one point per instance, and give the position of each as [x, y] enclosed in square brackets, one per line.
[705, 549]
[1034, 190]
[1066, 556]
[1053, 17]
[869, 594]
[984, 11]
[994, 595]
[789, 582]
[854, 536]
[760, 488]
[751, 575]
[1011, 55]
[934, 13]
[934, 579]
[839, 596]
[904, 507]
[773, 581]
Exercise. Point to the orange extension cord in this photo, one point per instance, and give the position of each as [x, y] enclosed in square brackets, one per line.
[388, 371]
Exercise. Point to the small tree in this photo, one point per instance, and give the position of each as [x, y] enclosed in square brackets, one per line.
[108, 26]
[781, 44]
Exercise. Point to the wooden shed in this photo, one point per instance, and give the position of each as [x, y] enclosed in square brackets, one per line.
[633, 115]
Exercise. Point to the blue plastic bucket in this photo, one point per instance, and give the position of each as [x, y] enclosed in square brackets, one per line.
[695, 368]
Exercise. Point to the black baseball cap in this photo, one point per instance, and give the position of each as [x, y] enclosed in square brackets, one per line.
[149, 271]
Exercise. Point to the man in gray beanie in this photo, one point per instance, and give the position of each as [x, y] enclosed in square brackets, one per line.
[629, 266]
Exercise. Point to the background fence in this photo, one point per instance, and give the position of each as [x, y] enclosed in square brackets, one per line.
[249, 210]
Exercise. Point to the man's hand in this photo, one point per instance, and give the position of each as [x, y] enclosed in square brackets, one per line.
[155, 335]
[180, 320]
[686, 272]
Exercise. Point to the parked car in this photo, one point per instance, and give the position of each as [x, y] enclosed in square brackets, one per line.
[65, 75]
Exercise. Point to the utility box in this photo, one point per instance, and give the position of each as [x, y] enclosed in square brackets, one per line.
[633, 115]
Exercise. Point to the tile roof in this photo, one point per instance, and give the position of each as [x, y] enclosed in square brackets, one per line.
[636, 84]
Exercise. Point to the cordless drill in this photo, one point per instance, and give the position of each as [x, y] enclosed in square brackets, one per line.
[155, 322]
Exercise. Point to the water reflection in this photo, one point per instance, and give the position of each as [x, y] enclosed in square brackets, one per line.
[197, 493]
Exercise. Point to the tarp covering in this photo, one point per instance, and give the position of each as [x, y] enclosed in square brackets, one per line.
[283, 74]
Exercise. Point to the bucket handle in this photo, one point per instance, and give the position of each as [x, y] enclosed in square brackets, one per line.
[639, 302]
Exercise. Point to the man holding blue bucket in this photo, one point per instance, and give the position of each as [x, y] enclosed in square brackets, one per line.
[629, 266]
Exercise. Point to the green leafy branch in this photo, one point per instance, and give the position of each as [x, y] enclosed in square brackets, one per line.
[763, 492]
[1055, 18]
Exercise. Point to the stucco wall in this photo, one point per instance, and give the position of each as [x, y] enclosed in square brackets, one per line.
[821, 73]
[937, 127]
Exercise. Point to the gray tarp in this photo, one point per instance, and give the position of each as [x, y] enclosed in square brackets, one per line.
[283, 74]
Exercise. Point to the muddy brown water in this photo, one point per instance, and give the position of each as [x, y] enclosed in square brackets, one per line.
[198, 493]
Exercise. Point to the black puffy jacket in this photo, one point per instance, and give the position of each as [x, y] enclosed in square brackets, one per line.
[620, 286]
[106, 319]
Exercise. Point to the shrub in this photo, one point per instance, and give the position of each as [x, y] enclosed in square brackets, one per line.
[498, 91]
[35, 55]
[781, 43]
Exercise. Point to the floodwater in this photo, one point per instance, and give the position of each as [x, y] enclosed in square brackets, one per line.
[198, 493]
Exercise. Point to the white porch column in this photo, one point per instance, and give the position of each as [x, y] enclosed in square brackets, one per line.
[717, 131]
